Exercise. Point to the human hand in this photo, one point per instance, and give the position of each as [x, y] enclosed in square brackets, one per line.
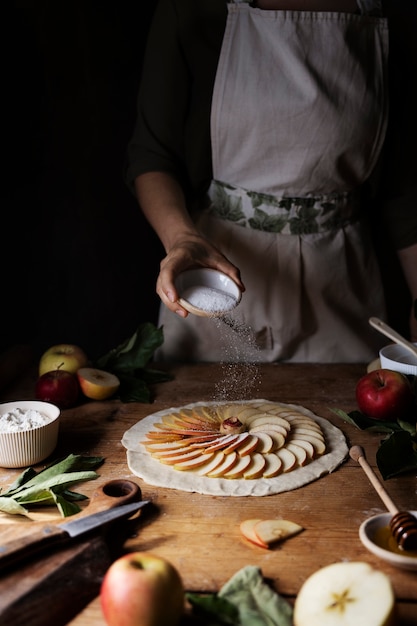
[194, 250]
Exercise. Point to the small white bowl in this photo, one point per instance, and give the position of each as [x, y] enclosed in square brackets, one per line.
[28, 444]
[375, 537]
[396, 357]
[207, 292]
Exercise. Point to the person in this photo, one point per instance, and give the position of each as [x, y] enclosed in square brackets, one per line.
[257, 148]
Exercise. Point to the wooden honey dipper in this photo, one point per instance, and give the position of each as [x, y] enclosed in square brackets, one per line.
[403, 525]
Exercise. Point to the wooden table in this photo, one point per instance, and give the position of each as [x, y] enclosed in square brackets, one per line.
[200, 534]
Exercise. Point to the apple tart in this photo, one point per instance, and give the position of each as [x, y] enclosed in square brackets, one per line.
[256, 447]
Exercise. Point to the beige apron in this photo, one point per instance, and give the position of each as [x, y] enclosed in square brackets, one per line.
[298, 121]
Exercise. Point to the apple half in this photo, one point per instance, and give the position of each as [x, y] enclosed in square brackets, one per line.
[97, 384]
[348, 593]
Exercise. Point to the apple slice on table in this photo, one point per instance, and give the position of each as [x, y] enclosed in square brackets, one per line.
[97, 384]
[271, 531]
[346, 594]
[267, 532]
[247, 528]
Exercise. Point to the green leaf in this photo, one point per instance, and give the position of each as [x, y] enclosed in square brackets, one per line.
[214, 606]
[9, 505]
[72, 462]
[129, 361]
[134, 353]
[42, 491]
[397, 455]
[363, 422]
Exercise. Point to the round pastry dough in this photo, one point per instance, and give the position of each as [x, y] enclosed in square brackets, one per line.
[143, 465]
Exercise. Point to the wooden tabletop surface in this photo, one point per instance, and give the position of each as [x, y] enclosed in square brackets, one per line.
[200, 534]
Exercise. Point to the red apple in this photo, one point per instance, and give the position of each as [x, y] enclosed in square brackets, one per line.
[142, 589]
[64, 356]
[58, 387]
[384, 394]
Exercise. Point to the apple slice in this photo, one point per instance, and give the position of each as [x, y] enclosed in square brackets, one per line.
[164, 446]
[211, 465]
[256, 468]
[248, 446]
[239, 441]
[276, 436]
[239, 468]
[265, 443]
[318, 444]
[269, 418]
[306, 430]
[97, 384]
[273, 466]
[307, 445]
[178, 458]
[299, 452]
[247, 528]
[193, 463]
[305, 422]
[288, 458]
[348, 593]
[222, 443]
[271, 531]
[229, 461]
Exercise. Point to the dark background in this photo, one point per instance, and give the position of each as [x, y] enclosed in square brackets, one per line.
[79, 262]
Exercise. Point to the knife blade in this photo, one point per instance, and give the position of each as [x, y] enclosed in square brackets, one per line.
[17, 550]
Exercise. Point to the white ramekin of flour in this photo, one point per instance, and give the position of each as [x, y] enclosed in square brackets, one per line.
[207, 292]
[28, 432]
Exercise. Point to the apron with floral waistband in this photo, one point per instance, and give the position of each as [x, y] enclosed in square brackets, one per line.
[299, 116]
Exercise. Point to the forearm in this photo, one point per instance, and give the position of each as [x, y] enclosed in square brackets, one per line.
[162, 202]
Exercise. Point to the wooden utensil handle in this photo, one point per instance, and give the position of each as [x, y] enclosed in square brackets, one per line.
[389, 332]
[13, 552]
[358, 454]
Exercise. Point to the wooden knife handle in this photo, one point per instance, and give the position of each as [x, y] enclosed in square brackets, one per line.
[17, 550]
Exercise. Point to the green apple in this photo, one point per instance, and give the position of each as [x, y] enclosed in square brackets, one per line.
[142, 589]
[64, 356]
[348, 593]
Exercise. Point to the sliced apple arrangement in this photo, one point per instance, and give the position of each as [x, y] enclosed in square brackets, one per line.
[256, 440]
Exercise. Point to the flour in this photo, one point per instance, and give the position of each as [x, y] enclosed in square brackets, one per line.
[18, 420]
[209, 299]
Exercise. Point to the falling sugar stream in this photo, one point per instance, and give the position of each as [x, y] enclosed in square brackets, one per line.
[240, 363]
